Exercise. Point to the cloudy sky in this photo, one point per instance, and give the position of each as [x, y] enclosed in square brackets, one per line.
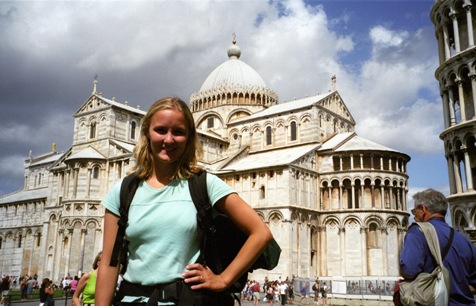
[383, 53]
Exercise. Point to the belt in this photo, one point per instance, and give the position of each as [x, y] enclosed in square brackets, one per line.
[162, 292]
[88, 304]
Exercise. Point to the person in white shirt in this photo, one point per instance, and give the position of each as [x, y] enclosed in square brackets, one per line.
[282, 288]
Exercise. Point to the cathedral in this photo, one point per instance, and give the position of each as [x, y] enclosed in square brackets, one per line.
[334, 201]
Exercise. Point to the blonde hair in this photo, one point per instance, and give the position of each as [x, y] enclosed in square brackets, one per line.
[187, 165]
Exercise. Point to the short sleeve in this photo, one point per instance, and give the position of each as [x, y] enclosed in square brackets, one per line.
[112, 199]
[217, 188]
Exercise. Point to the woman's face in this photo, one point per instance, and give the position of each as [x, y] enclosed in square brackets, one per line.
[168, 136]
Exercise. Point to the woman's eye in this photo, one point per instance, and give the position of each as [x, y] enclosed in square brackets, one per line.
[160, 131]
[180, 132]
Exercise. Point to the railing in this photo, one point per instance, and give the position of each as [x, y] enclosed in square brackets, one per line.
[354, 288]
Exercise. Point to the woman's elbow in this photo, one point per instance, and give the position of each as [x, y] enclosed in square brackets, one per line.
[268, 236]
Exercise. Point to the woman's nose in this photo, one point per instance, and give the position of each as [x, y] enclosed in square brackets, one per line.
[169, 137]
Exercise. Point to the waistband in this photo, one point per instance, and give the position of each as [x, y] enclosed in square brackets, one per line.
[161, 292]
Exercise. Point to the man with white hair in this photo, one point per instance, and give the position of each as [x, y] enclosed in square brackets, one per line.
[460, 260]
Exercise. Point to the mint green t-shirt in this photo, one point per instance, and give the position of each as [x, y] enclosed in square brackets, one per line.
[162, 229]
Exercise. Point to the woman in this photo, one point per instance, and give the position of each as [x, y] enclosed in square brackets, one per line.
[162, 228]
[270, 294]
[74, 284]
[87, 285]
[49, 293]
[23, 288]
[324, 291]
[291, 293]
[43, 286]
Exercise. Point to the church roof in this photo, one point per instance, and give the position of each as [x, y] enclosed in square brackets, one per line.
[286, 107]
[88, 153]
[351, 142]
[24, 195]
[212, 135]
[53, 156]
[270, 158]
[126, 146]
[233, 73]
[97, 95]
[122, 106]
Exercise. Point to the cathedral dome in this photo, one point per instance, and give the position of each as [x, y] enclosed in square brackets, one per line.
[233, 82]
[233, 72]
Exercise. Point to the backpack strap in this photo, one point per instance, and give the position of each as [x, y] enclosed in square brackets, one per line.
[128, 189]
[198, 191]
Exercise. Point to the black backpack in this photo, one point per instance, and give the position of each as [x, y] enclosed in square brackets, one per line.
[221, 238]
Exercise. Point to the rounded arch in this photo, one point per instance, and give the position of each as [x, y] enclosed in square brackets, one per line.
[245, 129]
[331, 220]
[373, 219]
[91, 224]
[294, 216]
[238, 113]
[352, 218]
[53, 217]
[207, 114]
[292, 118]
[305, 118]
[280, 123]
[392, 220]
[275, 216]
[460, 220]
[256, 128]
[304, 218]
[259, 213]
[233, 131]
[92, 119]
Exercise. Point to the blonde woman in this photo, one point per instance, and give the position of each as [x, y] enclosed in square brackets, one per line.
[164, 242]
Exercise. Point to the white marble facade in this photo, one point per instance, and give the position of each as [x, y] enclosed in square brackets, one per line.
[335, 202]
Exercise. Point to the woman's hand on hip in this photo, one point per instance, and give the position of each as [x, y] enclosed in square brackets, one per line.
[201, 277]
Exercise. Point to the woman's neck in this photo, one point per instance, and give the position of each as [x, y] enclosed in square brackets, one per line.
[160, 177]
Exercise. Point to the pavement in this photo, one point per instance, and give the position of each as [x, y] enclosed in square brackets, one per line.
[330, 301]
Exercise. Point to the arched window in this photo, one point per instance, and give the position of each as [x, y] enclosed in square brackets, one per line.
[92, 130]
[96, 172]
[210, 123]
[133, 130]
[262, 192]
[269, 136]
[373, 237]
[293, 131]
[20, 237]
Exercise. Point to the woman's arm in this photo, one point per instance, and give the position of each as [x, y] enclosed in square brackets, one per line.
[49, 290]
[107, 275]
[79, 289]
[259, 236]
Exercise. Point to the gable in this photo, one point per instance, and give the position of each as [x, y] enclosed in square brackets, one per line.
[93, 104]
[336, 105]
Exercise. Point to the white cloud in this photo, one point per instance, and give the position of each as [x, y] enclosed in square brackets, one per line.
[385, 37]
[145, 49]
[410, 129]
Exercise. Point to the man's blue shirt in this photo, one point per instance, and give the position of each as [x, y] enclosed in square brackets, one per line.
[460, 260]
